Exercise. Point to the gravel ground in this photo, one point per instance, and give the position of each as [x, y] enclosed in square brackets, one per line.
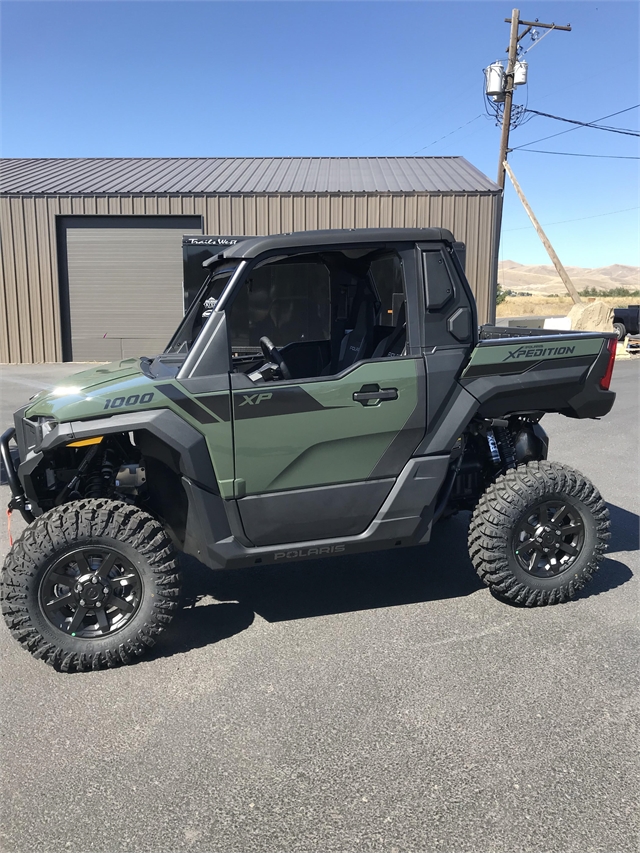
[380, 702]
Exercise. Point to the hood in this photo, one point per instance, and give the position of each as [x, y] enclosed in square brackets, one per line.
[83, 395]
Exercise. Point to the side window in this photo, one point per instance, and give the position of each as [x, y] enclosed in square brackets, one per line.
[449, 315]
[438, 285]
[390, 331]
[285, 300]
[323, 313]
[389, 283]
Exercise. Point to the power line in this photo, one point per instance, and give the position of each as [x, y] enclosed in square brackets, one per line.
[448, 134]
[579, 219]
[444, 112]
[571, 129]
[590, 123]
[571, 154]
[623, 130]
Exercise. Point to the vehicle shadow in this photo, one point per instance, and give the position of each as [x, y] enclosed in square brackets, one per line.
[301, 590]
[442, 569]
[610, 575]
[625, 536]
[625, 530]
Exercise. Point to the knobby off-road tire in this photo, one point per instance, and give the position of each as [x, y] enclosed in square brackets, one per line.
[90, 584]
[538, 534]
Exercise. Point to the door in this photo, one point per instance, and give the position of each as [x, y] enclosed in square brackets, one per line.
[121, 284]
[316, 456]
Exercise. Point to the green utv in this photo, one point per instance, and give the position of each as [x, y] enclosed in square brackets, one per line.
[326, 393]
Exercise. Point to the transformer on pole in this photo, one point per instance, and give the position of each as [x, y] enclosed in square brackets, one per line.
[494, 81]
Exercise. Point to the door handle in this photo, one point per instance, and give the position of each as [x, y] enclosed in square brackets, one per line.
[373, 392]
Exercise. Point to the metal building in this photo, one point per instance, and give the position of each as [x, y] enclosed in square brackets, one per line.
[91, 263]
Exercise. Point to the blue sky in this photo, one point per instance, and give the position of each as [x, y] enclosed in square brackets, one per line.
[91, 79]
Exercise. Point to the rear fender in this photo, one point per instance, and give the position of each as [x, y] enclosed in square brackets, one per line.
[568, 383]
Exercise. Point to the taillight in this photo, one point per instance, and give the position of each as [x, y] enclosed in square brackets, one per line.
[606, 379]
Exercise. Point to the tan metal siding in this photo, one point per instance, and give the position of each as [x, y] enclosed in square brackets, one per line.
[29, 278]
[56, 349]
[324, 214]
[32, 266]
[47, 280]
[23, 294]
[8, 345]
[7, 281]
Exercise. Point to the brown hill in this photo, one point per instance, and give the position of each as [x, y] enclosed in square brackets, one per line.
[543, 279]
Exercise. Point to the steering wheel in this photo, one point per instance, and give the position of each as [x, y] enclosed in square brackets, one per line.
[272, 354]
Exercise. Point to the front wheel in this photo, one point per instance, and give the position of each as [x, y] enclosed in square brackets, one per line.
[539, 533]
[90, 584]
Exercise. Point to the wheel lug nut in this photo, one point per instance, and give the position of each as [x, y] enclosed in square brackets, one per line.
[105, 589]
[78, 587]
[94, 579]
[82, 602]
[98, 604]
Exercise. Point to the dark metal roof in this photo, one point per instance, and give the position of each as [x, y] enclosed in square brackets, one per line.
[251, 247]
[242, 175]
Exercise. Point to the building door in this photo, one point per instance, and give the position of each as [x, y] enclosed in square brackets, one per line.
[121, 284]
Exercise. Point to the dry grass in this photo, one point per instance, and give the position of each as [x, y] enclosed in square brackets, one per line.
[549, 306]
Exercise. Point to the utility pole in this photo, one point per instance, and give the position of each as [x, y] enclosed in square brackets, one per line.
[508, 94]
[573, 293]
[512, 50]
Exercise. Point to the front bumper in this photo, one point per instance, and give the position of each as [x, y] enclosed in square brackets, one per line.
[19, 499]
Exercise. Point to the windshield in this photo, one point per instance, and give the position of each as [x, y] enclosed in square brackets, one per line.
[202, 306]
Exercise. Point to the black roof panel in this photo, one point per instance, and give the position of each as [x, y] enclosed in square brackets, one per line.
[251, 247]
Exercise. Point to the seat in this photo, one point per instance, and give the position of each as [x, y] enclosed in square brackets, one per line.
[357, 341]
[393, 345]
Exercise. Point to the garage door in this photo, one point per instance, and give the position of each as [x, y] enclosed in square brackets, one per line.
[124, 285]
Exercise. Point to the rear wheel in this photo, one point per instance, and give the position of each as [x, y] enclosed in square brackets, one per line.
[621, 330]
[90, 584]
[539, 533]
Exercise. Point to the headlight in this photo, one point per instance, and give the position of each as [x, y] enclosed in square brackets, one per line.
[45, 425]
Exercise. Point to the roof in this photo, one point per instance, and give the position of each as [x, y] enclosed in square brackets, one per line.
[251, 247]
[242, 175]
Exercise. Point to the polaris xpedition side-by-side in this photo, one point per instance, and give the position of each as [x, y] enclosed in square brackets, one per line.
[326, 393]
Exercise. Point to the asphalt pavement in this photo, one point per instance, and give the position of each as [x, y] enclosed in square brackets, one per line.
[367, 703]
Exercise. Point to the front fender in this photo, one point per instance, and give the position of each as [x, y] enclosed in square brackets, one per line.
[188, 445]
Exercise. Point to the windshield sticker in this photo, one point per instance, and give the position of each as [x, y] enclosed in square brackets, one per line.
[210, 241]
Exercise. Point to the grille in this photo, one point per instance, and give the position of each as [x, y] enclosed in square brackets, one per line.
[30, 431]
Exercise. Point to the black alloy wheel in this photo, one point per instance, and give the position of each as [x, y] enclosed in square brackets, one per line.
[90, 584]
[91, 592]
[549, 539]
[539, 533]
